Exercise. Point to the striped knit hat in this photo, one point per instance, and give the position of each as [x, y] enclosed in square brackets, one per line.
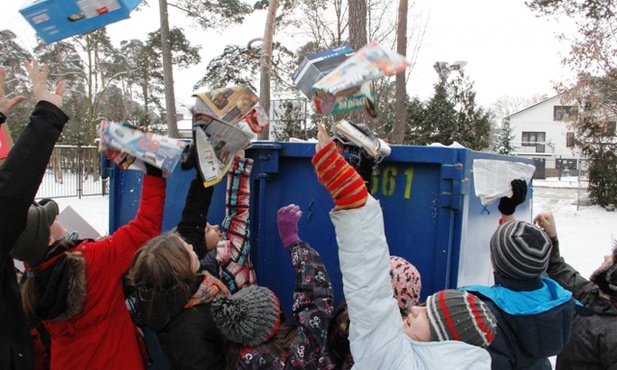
[250, 317]
[406, 282]
[459, 315]
[520, 250]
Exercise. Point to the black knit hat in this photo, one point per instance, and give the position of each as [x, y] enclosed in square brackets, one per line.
[460, 315]
[31, 246]
[606, 276]
[520, 250]
[250, 317]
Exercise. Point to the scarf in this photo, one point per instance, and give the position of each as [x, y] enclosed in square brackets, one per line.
[209, 288]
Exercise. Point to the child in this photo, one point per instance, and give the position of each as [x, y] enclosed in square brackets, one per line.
[593, 344]
[20, 177]
[174, 295]
[252, 319]
[75, 286]
[450, 332]
[534, 314]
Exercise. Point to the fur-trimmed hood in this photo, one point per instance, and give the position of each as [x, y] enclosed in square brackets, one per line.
[62, 287]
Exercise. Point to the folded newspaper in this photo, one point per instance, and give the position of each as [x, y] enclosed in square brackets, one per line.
[124, 143]
[217, 143]
[492, 178]
[367, 64]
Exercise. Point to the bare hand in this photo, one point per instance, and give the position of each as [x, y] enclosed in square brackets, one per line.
[546, 221]
[322, 138]
[39, 84]
[6, 104]
[240, 153]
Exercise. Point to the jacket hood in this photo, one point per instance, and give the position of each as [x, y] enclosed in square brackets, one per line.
[540, 320]
[166, 309]
[62, 287]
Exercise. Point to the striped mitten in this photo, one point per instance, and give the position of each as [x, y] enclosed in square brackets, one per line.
[342, 181]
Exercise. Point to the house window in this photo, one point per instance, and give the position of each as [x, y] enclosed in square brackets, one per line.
[533, 138]
[569, 139]
[563, 112]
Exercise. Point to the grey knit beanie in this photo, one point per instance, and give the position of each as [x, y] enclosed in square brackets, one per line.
[31, 246]
[520, 250]
[460, 315]
[250, 317]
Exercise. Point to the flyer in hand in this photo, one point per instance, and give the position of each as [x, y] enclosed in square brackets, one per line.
[123, 144]
[367, 64]
[217, 143]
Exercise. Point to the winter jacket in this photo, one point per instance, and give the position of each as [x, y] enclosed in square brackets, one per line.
[189, 337]
[95, 330]
[312, 309]
[376, 333]
[233, 252]
[20, 177]
[531, 324]
[593, 344]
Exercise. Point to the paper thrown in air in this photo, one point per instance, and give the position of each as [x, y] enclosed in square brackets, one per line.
[492, 178]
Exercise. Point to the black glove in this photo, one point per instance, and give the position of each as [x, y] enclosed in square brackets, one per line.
[153, 171]
[519, 193]
[189, 157]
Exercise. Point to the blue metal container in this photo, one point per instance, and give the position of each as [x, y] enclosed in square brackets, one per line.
[432, 216]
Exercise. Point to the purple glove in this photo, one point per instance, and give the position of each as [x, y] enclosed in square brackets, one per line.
[287, 219]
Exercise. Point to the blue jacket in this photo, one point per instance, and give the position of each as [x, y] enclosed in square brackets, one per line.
[531, 324]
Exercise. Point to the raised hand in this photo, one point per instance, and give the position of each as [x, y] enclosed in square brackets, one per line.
[507, 206]
[287, 219]
[322, 138]
[6, 104]
[39, 84]
[546, 222]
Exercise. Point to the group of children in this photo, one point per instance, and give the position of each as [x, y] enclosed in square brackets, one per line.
[195, 287]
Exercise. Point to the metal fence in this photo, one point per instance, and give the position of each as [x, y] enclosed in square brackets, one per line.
[73, 171]
[560, 167]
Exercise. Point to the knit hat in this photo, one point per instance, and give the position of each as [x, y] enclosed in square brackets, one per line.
[459, 315]
[406, 283]
[250, 317]
[606, 276]
[520, 250]
[31, 246]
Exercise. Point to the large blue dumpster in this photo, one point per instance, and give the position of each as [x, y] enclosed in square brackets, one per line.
[432, 215]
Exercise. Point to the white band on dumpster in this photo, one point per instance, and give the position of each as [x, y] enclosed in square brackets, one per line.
[492, 178]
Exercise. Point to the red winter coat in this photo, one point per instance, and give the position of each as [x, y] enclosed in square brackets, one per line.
[102, 335]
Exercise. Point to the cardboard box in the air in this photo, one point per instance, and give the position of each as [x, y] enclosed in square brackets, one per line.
[54, 20]
[314, 67]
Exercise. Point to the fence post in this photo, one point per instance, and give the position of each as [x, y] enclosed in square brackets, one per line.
[80, 170]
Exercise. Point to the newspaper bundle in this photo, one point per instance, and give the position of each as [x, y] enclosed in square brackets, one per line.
[123, 143]
[216, 144]
[367, 64]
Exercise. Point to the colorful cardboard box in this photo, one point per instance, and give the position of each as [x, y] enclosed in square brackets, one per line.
[54, 20]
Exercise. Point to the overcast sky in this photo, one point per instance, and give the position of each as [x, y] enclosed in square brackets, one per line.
[509, 51]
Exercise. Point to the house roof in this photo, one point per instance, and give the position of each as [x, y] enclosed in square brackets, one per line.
[532, 106]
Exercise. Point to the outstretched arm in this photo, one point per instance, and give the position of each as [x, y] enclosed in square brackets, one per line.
[583, 290]
[375, 334]
[193, 222]
[23, 169]
[313, 294]
[233, 251]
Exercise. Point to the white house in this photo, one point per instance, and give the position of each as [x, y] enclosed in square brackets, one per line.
[542, 132]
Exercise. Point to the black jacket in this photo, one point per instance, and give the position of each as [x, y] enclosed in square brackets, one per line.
[534, 321]
[20, 177]
[189, 337]
[593, 344]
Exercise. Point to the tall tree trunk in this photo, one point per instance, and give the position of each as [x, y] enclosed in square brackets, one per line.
[357, 39]
[400, 104]
[168, 77]
[357, 24]
[265, 63]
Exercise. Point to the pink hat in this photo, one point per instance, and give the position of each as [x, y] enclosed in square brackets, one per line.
[406, 282]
